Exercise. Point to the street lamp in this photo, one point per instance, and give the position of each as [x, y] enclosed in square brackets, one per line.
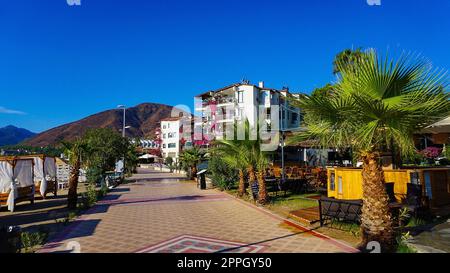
[124, 127]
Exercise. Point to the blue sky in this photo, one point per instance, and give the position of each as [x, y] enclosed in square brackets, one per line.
[60, 63]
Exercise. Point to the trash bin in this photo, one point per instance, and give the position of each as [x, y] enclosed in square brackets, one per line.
[201, 179]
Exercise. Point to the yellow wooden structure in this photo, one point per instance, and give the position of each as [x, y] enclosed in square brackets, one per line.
[346, 183]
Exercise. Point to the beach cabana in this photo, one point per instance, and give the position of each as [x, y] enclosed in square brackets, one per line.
[44, 174]
[16, 181]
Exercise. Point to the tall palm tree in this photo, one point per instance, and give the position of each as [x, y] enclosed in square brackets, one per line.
[375, 106]
[261, 162]
[348, 59]
[240, 153]
[75, 151]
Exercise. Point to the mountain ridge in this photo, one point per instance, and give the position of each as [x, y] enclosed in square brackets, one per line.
[11, 135]
[143, 120]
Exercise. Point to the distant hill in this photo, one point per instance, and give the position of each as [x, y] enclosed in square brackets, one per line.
[143, 120]
[11, 135]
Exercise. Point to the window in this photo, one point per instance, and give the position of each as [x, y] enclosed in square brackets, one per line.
[340, 190]
[332, 184]
[172, 145]
[164, 136]
[294, 117]
[240, 96]
[164, 126]
[164, 145]
[168, 125]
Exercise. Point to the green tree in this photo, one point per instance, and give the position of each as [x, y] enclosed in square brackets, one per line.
[75, 150]
[190, 158]
[349, 60]
[376, 105]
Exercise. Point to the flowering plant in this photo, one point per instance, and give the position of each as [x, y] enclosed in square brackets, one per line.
[431, 152]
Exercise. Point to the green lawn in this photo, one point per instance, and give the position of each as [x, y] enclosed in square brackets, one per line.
[293, 202]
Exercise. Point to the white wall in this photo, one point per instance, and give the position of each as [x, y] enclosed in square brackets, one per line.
[171, 127]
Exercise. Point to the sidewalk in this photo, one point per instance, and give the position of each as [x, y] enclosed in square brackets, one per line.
[161, 212]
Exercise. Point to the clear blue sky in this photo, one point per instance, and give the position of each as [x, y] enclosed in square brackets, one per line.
[60, 63]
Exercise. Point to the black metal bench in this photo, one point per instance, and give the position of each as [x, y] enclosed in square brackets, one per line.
[341, 210]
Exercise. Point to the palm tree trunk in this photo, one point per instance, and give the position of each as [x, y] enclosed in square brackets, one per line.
[194, 171]
[241, 183]
[251, 174]
[72, 195]
[376, 220]
[262, 191]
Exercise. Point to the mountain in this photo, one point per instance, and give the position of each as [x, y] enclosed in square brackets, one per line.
[11, 135]
[143, 120]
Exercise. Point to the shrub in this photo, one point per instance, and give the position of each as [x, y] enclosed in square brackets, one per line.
[31, 239]
[89, 198]
[222, 176]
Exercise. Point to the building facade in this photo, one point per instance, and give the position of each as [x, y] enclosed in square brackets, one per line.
[219, 109]
[176, 135]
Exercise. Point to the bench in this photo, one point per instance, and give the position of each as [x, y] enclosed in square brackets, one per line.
[341, 210]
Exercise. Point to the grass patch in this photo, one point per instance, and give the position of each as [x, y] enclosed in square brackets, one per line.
[293, 202]
[404, 248]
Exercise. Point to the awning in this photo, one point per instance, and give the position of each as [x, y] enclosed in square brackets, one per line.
[442, 126]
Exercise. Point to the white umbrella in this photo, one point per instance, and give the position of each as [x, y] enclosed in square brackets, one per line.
[147, 156]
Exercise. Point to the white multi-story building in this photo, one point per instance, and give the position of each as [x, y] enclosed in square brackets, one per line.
[175, 136]
[220, 108]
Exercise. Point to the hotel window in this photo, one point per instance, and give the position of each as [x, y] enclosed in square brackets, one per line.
[172, 145]
[164, 145]
[164, 126]
[164, 136]
[240, 96]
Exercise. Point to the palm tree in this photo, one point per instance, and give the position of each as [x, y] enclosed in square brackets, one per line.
[234, 157]
[75, 151]
[261, 162]
[348, 59]
[376, 105]
[191, 158]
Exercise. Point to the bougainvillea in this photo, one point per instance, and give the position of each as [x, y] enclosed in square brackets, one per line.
[431, 152]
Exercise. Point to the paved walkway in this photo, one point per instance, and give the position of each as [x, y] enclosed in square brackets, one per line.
[161, 212]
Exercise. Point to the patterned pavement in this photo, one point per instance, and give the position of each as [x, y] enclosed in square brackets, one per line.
[160, 212]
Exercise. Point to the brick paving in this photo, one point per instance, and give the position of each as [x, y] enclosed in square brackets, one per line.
[161, 212]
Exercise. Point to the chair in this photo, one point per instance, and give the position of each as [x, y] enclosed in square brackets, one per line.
[414, 198]
[390, 192]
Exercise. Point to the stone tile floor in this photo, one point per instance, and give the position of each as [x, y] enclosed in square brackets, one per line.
[161, 212]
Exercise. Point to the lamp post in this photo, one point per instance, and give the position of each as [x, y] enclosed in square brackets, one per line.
[124, 127]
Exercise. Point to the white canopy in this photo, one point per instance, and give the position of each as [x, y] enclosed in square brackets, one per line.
[442, 126]
[147, 156]
[11, 179]
[6, 176]
[23, 173]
